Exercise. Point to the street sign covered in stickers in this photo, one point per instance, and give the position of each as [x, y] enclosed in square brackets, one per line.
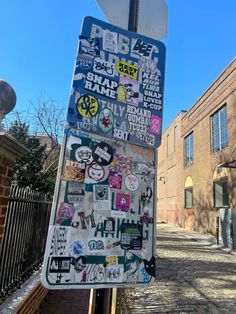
[101, 231]
[118, 83]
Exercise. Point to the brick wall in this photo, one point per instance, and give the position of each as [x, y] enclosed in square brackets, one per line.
[10, 149]
[169, 166]
[202, 217]
[6, 173]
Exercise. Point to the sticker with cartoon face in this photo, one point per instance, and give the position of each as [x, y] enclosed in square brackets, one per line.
[96, 172]
[84, 154]
[128, 91]
[131, 182]
[105, 120]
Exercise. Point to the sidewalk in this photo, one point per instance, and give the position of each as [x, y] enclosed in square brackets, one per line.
[193, 276]
[196, 236]
[205, 239]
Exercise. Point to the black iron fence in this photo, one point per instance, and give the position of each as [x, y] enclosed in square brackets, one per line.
[24, 237]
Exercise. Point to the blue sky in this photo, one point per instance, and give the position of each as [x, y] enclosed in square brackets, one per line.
[38, 44]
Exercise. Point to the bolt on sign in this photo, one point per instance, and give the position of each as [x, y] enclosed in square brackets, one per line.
[101, 230]
[118, 82]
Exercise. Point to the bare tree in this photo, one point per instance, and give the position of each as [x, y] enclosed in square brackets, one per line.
[49, 119]
[45, 120]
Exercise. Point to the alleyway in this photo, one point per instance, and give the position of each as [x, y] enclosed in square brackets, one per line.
[193, 276]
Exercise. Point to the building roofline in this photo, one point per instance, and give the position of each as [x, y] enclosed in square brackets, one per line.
[198, 101]
[178, 114]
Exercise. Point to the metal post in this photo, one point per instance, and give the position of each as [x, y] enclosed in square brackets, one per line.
[133, 27]
[133, 15]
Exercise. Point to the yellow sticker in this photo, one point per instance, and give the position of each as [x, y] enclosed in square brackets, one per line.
[127, 69]
[111, 260]
[87, 106]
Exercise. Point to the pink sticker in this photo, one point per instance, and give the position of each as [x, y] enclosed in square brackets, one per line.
[115, 180]
[155, 125]
[65, 212]
[122, 201]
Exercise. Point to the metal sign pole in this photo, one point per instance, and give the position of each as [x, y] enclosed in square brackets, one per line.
[133, 15]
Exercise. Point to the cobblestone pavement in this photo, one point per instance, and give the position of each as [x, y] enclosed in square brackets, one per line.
[193, 276]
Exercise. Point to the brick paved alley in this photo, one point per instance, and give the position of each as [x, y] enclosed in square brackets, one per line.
[193, 276]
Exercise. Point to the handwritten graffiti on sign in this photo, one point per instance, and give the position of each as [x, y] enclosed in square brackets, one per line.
[104, 67]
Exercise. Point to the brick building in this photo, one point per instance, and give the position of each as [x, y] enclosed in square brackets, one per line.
[193, 182]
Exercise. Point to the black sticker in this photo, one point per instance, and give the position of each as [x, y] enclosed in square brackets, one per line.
[131, 236]
[103, 154]
[109, 226]
[146, 196]
[142, 48]
[60, 265]
[150, 266]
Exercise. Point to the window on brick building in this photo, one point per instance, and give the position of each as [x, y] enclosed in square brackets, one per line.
[188, 150]
[188, 197]
[221, 193]
[167, 144]
[175, 135]
[219, 129]
[188, 193]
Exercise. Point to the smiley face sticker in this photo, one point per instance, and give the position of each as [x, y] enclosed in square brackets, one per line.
[88, 106]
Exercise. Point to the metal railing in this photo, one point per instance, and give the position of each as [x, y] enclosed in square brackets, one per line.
[24, 238]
